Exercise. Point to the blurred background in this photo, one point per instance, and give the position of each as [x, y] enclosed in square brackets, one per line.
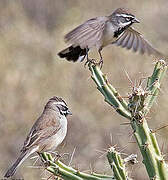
[31, 34]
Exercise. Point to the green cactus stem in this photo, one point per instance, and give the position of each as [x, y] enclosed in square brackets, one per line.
[137, 107]
[117, 164]
[68, 173]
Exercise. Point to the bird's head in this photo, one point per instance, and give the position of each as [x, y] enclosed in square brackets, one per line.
[123, 18]
[57, 103]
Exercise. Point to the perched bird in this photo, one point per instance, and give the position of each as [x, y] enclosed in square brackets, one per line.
[101, 31]
[47, 132]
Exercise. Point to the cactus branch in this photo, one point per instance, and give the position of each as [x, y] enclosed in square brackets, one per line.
[153, 84]
[68, 173]
[109, 92]
[117, 164]
[139, 104]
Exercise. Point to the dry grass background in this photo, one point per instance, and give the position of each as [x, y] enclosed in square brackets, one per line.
[31, 34]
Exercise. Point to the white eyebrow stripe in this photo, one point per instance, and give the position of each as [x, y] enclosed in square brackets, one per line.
[60, 103]
[124, 15]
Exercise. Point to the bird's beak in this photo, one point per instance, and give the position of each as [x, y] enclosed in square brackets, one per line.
[69, 112]
[135, 20]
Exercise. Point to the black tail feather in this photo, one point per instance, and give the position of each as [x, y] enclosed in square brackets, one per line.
[73, 53]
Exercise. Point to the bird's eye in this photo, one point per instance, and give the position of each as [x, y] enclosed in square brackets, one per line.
[128, 19]
[63, 109]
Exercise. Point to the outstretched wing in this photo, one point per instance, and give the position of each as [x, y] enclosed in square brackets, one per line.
[131, 39]
[88, 34]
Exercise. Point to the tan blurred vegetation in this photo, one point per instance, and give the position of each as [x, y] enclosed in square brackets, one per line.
[31, 34]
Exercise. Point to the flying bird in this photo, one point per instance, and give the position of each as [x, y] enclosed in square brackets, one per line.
[105, 30]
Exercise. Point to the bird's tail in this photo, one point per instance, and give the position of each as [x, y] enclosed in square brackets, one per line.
[11, 171]
[73, 53]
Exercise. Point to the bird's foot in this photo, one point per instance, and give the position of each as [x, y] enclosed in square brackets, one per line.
[57, 156]
[100, 63]
[61, 156]
[46, 163]
[90, 61]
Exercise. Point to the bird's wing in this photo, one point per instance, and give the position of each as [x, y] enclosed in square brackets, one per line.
[88, 34]
[131, 39]
[45, 127]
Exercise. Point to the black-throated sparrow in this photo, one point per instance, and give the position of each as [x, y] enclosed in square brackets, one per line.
[101, 31]
[47, 132]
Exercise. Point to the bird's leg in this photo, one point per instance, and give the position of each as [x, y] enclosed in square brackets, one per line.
[100, 63]
[88, 59]
[60, 156]
[57, 156]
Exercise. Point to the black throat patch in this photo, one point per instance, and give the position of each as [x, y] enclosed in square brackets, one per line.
[120, 30]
